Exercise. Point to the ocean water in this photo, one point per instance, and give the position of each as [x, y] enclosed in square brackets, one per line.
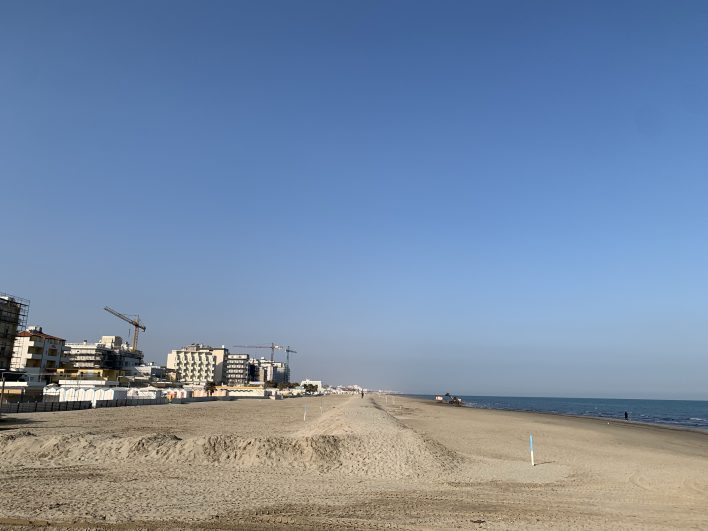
[679, 413]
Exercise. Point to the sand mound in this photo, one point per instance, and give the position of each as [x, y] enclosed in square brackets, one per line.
[372, 444]
[323, 453]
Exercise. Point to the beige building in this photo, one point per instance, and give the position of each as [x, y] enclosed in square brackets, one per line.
[198, 364]
[36, 353]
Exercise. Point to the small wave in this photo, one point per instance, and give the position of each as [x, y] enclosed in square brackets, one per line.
[677, 413]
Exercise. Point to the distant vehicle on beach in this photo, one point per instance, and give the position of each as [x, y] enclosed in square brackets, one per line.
[447, 399]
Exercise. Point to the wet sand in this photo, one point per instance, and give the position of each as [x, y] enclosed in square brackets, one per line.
[353, 463]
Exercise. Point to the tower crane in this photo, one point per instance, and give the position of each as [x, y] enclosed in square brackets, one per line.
[288, 351]
[135, 322]
[273, 347]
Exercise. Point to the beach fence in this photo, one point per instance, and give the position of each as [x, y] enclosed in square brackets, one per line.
[131, 402]
[42, 407]
[74, 405]
[123, 402]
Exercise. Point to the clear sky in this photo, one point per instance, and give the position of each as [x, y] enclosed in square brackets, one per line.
[477, 197]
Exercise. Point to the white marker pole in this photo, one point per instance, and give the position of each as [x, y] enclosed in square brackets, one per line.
[531, 446]
[386, 399]
[304, 417]
[321, 399]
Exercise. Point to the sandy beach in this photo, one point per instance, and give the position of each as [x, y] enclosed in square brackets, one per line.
[353, 463]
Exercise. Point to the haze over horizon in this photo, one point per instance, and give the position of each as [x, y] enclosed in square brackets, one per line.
[485, 198]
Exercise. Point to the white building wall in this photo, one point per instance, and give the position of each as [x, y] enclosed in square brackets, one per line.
[318, 383]
[198, 364]
[85, 393]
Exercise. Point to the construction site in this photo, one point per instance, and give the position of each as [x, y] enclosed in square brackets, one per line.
[13, 318]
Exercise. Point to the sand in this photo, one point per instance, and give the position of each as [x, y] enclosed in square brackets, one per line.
[353, 464]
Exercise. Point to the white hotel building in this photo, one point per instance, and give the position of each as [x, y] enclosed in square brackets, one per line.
[198, 364]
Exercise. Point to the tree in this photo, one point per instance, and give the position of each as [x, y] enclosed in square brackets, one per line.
[210, 387]
[310, 388]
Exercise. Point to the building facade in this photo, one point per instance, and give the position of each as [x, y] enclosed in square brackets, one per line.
[236, 369]
[198, 364]
[109, 353]
[152, 371]
[37, 353]
[262, 370]
[13, 317]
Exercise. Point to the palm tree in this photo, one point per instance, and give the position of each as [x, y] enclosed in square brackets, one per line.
[210, 387]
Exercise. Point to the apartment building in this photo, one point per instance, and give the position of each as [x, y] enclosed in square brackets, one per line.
[37, 353]
[198, 364]
[262, 370]
[236, 369]
[108, 353]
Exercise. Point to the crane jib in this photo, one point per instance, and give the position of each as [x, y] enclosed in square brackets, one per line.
[135, 322]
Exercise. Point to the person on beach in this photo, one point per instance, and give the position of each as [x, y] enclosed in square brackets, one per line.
[362, 394]
[626, 416]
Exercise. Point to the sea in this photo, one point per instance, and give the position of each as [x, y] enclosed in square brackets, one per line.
[678, 413]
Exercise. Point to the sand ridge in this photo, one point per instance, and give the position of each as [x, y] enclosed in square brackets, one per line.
[357, 440]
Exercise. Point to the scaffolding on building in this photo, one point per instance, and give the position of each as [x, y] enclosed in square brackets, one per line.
[13, 319]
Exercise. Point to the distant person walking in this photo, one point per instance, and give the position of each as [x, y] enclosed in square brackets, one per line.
[362, 394]
[626, 416]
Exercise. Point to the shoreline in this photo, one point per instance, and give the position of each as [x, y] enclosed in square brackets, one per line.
[608, 420]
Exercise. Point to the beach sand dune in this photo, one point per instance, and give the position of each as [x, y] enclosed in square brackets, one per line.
[352, 463]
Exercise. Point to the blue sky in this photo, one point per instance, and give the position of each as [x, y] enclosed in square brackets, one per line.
[476, 197]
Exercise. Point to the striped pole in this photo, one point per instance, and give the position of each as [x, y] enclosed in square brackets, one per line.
[531, 447]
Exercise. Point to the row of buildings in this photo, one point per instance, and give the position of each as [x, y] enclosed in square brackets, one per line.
[198, 363]
[38, 355]
[36, 358]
